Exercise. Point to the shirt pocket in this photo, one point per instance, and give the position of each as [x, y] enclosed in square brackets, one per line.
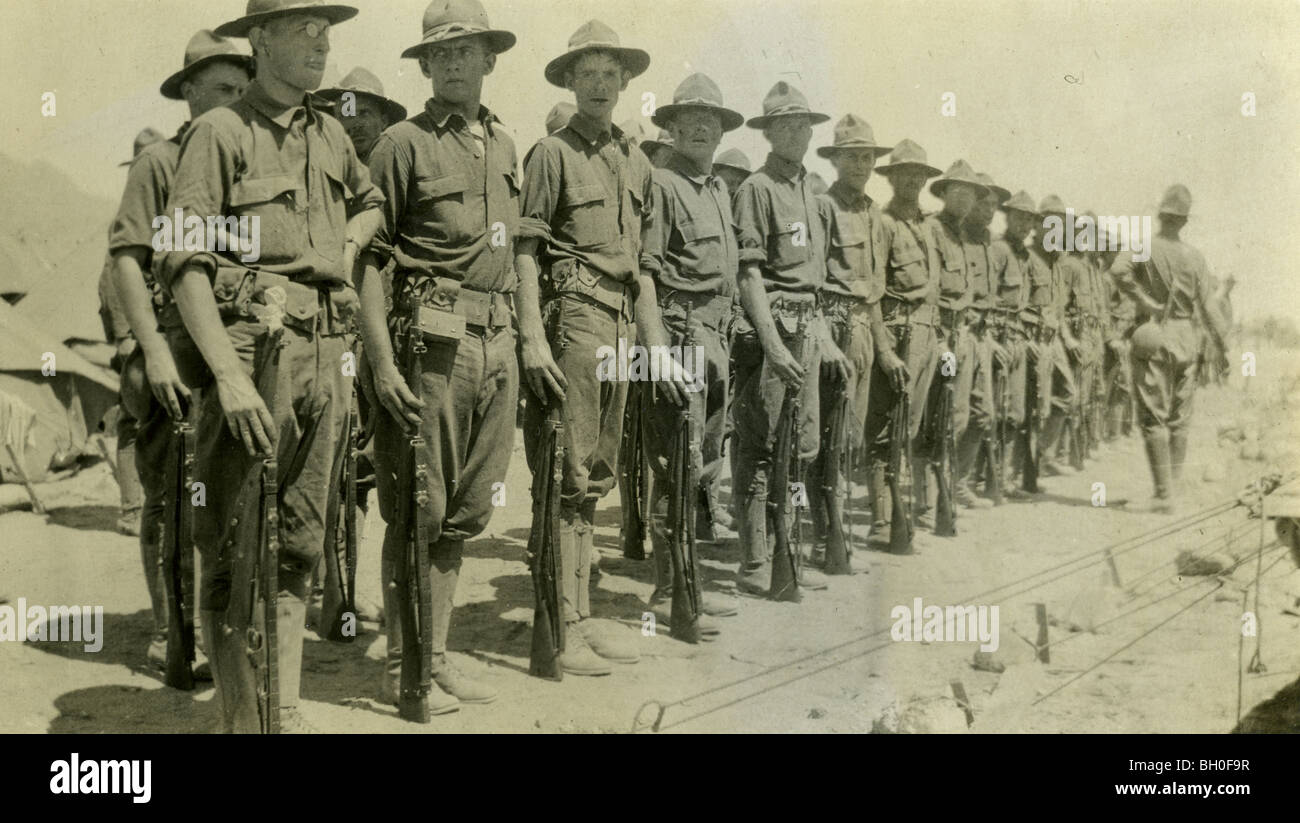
[850, 245]
[908, 268]
[587, 214]
[271, 206]
[952, 270]
[702, 243]
[442, 208]
[790, 243]
[508, 211]
[328, 223]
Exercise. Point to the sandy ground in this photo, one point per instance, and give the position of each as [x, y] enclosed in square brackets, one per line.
[826, 665]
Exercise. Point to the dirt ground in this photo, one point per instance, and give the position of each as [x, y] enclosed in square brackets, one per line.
[826, 665]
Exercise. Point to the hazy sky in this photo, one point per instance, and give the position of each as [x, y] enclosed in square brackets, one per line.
[1153, 93]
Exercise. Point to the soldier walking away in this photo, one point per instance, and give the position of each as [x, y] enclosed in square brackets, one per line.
[1172, 295]
[453, 286]
[154, 395]
[267, 338]
[586, 195]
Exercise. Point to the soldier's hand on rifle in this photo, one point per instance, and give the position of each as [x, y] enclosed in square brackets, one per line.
[165, 381]
[395, 396]
[834, 360]
[894, 367]
[541, 371]
[1001, 356]
[246, 414]
[674, 381]
[784, 365]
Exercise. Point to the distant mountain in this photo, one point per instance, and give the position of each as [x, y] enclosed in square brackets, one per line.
[53, 238]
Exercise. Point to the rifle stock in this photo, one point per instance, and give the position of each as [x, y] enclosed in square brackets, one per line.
[413, 568]
[546, 563]
[177, 557]
[992, 444]
[1029, 432]
[684, 483]
[900, 434]
[945, 512]
[785, 558]
[343, 569]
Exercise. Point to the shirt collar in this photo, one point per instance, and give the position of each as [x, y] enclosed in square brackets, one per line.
[848, 197]
[441, 113]
[590, 130]
[788, 169]
[952, 222]
[277, 113]
[903, 211]
[976, 235]
[683, 166]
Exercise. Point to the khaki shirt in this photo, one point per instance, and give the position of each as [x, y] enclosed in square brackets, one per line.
[689, 244]
[948, 258]
[976, 244]
[907, 274]
[586, 197]
[1176, 277]
[291, 166]
[857, 254]
[451, 201]
[779, 227]
[1015, 272]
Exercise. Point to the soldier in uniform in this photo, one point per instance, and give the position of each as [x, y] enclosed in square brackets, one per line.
[358, 102]
[1016, 271]
[585, 198]
[856, 259]
[1169, 291]
[1118, 364]
[449, 259]
[117, 330]
[213, 74]
[267, 336]
[660, 149]
[733, 167]
[558, 117]
[961, 191]
[1057, 337]
[910, 314]
[782, 270]
[690, 252]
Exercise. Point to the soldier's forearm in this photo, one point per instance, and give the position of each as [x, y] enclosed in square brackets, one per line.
[880, 336]
[649, 323]
[753, 297]
[374, 325]
[137, 303]
[198, 309]
[362, 228]
[528, 308]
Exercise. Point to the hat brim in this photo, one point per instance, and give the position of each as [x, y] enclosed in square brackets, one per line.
[126, 162]
[1003, 194]
[394, 111]
[731, 120]
[889, 168]
[171, 87]
[498, 40]
[1174, 213]
[634, 60]
[1030, 211]
[240, 27]
[649, 147]
[765, 120]
[740, 169]
[830, 151]
[937, 187]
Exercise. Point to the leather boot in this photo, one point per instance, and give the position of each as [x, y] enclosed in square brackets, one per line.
[1157, 447]
[577, 657]
[151, 562]
[920, 488]
[585, 546]
[968, 448]
[394, 601]
[753, 530]
[1047, 443]
[291, 620]
[878, 494]
[444, 573]
[233, 674]
[132, 494]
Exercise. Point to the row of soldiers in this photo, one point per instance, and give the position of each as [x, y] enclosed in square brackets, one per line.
[414, 248]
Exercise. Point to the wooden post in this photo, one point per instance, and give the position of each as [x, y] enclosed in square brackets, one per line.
[1040, 613]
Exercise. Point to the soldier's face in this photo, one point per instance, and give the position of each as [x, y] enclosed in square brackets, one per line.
[215, 85]
[294, 49]
[1018, 224]
[959, 199]
[790, 136]
[853, 166]
[907, 183]
[696, 134]
[365, 125]
[596, 80]
[732, 176]
[457, 68]
[981, 213]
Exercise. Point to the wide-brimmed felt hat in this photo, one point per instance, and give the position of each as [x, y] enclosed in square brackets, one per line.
[204, 48]
[1051, 204]
[1020, 201]
[558, 117]
[595, 36]
[147, 136]
[698, 92]
[987, 180]
[958, 172]
[453, 19]
[908, 154]
[1177, 201]
[361, 82]
[784, 100]
[735, 159]
[634, 130]
[853, 133]
[663, 141]
[260, 12]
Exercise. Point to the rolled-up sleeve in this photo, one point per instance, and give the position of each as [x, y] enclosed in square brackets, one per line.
[141, 203]
[390, 172]
[203, 180]
[541, 193]
[753, 223]
[654, 231]
[365, 194]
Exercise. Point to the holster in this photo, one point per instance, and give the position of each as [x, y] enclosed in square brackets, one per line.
[568, 276]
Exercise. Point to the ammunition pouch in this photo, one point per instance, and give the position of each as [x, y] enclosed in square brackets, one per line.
[444, 296]
[244, 294]
[709, 309]
[792, 311]
[897, 312]
[568, 276]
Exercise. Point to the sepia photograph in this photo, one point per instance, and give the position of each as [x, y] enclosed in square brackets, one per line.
[712, 367]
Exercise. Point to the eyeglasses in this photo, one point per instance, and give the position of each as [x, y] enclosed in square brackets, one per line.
[313, 29]
[446, 54]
